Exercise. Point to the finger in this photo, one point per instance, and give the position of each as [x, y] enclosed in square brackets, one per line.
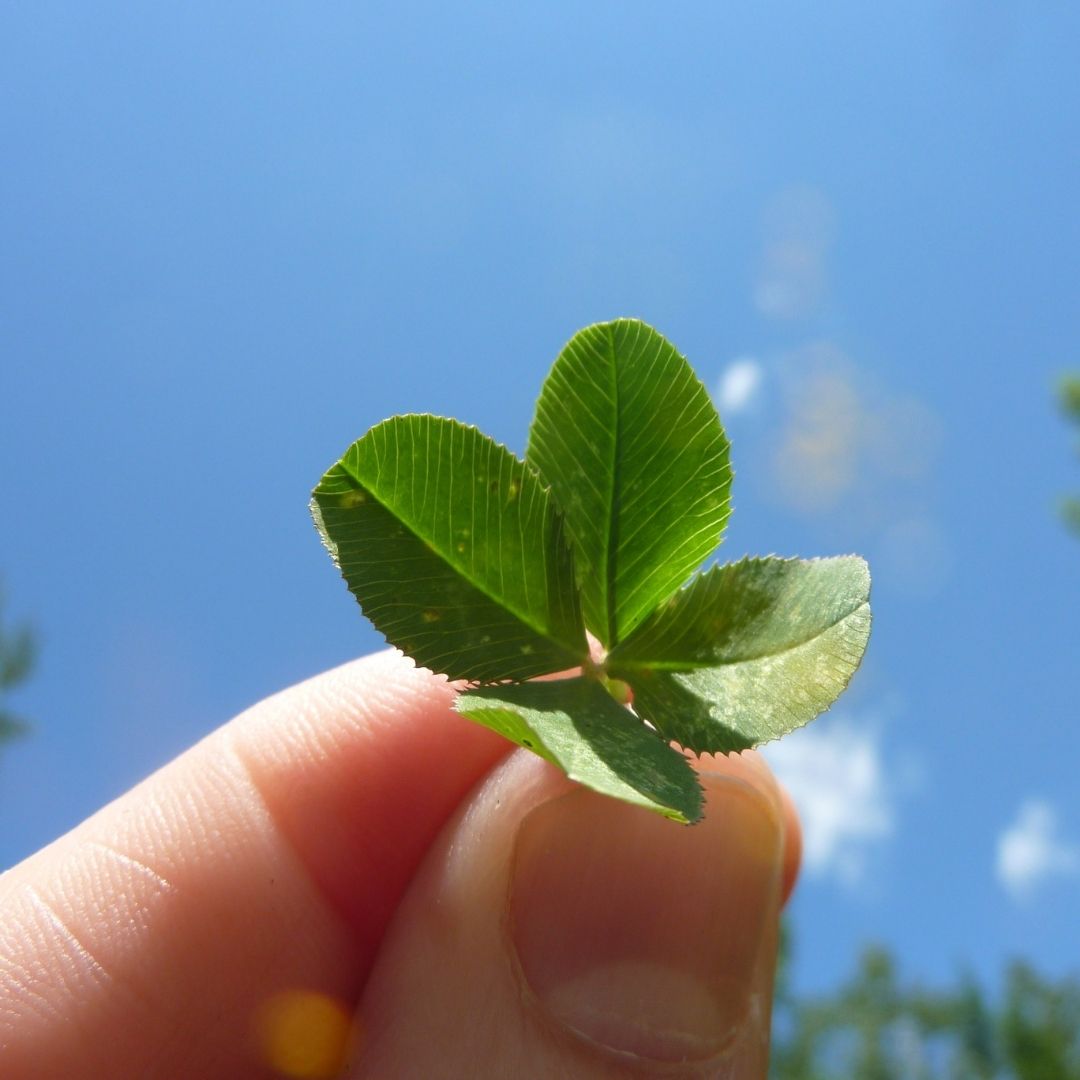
[793, 845]
[554, 932]
[755, 763]
[267, 858]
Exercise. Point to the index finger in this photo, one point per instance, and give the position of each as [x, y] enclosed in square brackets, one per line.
[269, 856]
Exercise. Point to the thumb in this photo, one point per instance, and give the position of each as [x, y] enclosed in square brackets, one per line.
[555, 932]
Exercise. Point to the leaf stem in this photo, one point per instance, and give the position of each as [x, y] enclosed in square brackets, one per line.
[593, 669]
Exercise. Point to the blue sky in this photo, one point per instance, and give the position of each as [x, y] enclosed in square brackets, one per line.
[233, 237]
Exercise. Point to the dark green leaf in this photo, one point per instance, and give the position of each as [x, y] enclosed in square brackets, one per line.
[748, 651]
[454, 550]
[576, 724]
[633, 449]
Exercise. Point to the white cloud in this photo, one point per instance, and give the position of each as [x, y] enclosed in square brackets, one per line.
[738, 385]
[834, 774]
[1030, 851]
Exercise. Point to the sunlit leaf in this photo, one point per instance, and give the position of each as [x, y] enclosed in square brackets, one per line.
[454, 550]
[577, 725]
[633, 449]
[488, 569]
[748, 651]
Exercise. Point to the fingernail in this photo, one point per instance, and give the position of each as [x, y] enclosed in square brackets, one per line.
[643, 937]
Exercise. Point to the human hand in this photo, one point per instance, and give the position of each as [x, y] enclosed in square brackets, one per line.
[351, 874]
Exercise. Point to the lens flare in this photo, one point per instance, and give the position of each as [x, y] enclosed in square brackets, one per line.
[304, 1034]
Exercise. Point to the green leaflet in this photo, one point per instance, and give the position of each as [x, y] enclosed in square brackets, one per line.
[633, 449]
[488, 569]
[578, 726]
[454, 550]
[748, 651]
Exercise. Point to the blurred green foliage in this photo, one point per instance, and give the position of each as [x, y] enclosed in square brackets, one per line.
[877, 1028]
[18, 654]
[1069, 395]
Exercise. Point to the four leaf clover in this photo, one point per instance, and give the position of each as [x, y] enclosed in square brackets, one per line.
[490, 570]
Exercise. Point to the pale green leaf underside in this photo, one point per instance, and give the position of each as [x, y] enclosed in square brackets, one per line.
[578, 726]
[748, 651]
[632, 446]
[454, 550]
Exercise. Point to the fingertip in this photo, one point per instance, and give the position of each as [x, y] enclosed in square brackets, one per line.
[555, 931]
[751, 767]
[793, 846]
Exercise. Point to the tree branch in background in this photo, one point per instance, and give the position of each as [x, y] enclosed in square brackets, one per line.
[18, 654]
[1069, 392]
[876, 1028]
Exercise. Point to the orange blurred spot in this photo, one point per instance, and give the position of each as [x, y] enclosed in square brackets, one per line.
[304, 1034]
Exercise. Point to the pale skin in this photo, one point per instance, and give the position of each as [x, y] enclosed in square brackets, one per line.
[353, 840]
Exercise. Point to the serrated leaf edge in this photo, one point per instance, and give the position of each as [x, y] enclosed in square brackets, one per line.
[561, 532]
[672, 667]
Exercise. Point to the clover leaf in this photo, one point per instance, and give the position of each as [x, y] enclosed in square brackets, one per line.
[490, 570]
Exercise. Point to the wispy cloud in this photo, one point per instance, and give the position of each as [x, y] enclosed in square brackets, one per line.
[843, 435]
[1031, 851]
[858, 457]
[848, 450]
[833, 771]
[738, 385]
[792, 277]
